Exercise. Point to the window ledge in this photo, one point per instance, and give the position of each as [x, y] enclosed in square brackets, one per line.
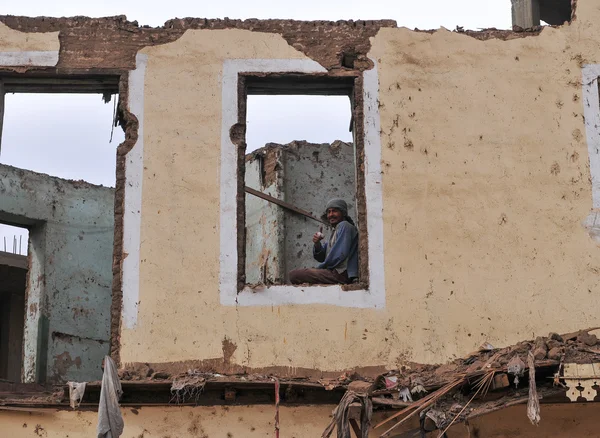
[337, 295]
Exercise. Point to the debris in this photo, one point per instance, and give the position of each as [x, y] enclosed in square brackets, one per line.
[587, 339]
[573, 335]
[517, 367]
[437, 420]
[533, 404]
[110, 421]
[475, 365]
[76, 391]
[486, 346]
[391, 382]
[539, 353]
[555, 337]
[540, 349]
[419, 406]
[382, 401]
[552, 343]
[500, 381]
[361, 388]
[187, 387]
[482, 386]
[404, 394]
[555, 353]
[418, 387]
[160, 375]
[341, 418]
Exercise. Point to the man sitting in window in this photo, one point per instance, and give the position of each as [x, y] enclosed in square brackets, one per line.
[339, 256]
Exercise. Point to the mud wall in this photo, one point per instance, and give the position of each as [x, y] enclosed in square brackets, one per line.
[558, 421]
[485, 186]
[69, 286]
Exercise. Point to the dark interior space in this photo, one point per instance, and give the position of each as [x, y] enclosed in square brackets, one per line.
[13, 278]
[555, 12]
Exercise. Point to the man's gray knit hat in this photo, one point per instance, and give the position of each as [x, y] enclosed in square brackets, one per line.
[339, 204]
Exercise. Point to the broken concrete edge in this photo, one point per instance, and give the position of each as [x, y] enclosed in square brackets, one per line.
[291, 146]
[130, 124]
[140, 380]
[77, 184]
[344, 37]
[55, 24]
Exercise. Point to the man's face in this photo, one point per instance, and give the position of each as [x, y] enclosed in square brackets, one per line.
[334, 216]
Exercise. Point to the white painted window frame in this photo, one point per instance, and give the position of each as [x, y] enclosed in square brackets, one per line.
[591, 114]
[132, 209]
[374, 297]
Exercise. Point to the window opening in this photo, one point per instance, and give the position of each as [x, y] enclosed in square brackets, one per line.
[300, 153]
[531, 13]
[63, 128]
[65, 135]
[13, 279]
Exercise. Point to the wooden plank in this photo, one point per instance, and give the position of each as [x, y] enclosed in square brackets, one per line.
[35, 84]
[382, 401]
[14, 260]
[283, 204]
[355, 428]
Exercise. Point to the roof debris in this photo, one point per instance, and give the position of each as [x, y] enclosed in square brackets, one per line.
[438, 396]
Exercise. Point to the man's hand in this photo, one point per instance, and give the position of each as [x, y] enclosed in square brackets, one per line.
[318, 236]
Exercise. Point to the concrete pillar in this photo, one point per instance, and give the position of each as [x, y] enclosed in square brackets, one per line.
[525, 13]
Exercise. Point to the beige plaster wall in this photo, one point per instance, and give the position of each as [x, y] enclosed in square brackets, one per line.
[15, 41]
[558, 421]
[485, 186]
[173, 422]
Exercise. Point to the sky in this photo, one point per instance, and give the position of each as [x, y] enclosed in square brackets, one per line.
[424, 14]
[69, 135]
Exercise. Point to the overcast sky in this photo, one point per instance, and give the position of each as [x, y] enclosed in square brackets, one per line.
[68, 135]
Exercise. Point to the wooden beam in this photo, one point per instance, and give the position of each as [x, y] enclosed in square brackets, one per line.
[14, 260]
[355, 428]
[283, 204]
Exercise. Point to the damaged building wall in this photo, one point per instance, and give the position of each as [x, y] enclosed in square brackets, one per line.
[485, 183]
[184, 178]
[15, 41]
[485, 187]
[71, 227]
[13, 278]
[265, 233]
[559, 421]
[302, 174]
[314, 174]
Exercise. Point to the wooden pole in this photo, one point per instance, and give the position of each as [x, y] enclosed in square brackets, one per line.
[283, 204]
